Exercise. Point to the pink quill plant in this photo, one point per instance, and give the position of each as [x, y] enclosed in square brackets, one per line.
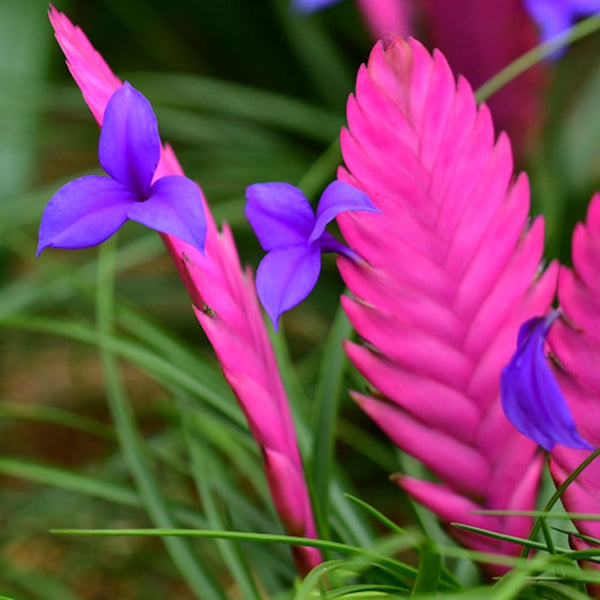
[451, 269]
[575, 342]
[227, 308]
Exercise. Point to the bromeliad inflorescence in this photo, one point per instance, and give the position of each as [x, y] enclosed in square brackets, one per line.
[88, 210]
[294, 238]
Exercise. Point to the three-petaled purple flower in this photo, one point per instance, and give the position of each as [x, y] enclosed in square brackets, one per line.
[294, 238]
[555, 16]
[531, 398]
[88, 210]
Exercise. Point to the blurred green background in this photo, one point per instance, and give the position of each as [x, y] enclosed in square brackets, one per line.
[245, 92]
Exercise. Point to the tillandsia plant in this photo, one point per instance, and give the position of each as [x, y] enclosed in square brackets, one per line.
[461, 357]
[223, 294]
[451, 270]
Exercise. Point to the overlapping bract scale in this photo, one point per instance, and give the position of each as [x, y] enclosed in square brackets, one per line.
[576, 343]
[450, 271]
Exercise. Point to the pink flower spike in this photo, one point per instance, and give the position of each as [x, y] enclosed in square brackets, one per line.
[226, 307]
[450, 271]
[575, 341]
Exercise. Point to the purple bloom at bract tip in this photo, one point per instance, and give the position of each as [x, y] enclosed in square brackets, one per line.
[88, 210]
[531, 398]
[309, 6]
[555, 16]
[294, 238]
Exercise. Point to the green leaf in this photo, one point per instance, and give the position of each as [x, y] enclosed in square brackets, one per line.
[188, 563]
[231, 552]
[325, 413]
[430, 567]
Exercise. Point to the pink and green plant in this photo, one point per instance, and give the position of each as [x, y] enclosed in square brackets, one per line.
[451, 269]
[223, 293]
[444, 269]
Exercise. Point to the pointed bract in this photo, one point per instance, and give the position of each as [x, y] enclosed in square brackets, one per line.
[450, 271]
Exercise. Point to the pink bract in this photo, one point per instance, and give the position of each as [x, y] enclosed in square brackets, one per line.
[451, 271]
[576, 343]
[227, 308]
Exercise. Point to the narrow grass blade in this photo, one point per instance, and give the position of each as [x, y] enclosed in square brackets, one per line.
[430, 568]
[325, 414]
[68, 480]
[231, 552]
[267, 108]
[188, 564]
[56, 416]
[206, 384]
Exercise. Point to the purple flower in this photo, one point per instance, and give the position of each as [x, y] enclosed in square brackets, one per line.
[555, 16]
[531, 398]
[294, 238]
[309, 6]
[88, 210]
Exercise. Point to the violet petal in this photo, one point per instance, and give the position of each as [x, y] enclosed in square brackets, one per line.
[328, 243]
[129, 148]
[584, 7]
[174, 207]
[309, 6]
[279, 213]
[338, 197]
[555, 16]
[550, 16]
[84, 212]
[286, 276]
[531, 398]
